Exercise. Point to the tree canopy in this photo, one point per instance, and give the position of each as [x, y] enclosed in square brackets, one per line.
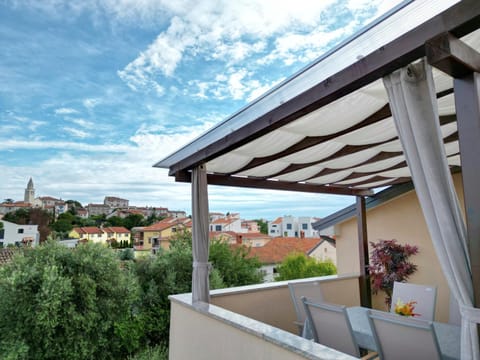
[64, 304]
[299, 266]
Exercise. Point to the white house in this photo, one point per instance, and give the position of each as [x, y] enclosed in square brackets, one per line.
[228, 223]
[13, 234]
[291, 226]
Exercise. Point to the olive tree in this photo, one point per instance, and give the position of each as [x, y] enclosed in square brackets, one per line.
[59, 303]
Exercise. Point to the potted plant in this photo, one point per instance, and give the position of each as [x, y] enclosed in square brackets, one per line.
[389, 262]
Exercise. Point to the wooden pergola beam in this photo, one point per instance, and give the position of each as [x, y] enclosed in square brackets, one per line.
[245, 182]
[452, 56]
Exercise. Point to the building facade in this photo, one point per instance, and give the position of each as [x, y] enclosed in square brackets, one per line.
[291, 226]
[19, 235]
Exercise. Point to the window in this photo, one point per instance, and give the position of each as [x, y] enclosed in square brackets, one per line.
[174, 230]
[272, 231]
[2, 234]
[304, 226]
[218, 227]
[289, 226]
[20, 231]
[274, 225]
[1, 244]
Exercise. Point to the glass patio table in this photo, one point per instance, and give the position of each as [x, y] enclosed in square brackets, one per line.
[448, 335]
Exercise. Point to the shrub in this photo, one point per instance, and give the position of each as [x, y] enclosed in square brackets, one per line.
[389, 263]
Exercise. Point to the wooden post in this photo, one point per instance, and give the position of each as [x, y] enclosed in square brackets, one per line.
[467, 103]
[365, 293]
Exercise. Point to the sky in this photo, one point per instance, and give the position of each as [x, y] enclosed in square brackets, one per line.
[94, 92]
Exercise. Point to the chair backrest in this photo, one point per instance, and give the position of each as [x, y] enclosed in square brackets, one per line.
[331, 326]
[399, 337]
[424, 295]
[310, 289]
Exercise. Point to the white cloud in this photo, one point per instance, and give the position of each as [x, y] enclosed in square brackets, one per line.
[83, 123]
[76, 132]
[90, 103]
[8, 144]
[65, 111]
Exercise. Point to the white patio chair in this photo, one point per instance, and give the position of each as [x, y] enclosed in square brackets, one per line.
[331, 327]
[312, 291]
[398, 337]
[424, 295]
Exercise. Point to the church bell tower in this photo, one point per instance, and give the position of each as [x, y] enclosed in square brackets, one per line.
[29, 192]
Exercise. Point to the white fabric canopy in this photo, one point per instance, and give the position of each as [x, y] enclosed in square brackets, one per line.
[200, 244]
[414, 108]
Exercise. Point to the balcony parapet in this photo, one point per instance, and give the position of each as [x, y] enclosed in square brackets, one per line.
[209, 331]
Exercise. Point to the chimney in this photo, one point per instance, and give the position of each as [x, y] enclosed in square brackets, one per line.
[239, 239]
[302, 234]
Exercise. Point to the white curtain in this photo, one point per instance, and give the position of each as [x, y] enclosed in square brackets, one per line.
[200, 243]
[414, 107]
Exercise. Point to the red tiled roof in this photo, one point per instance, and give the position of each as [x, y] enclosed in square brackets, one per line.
[17, 204]
[116, 229]
[163, 224]
[46, 198]
[88, 230]
[6, 256]
[252, 235]
[216, 235]
[278, 248]
[277, 220]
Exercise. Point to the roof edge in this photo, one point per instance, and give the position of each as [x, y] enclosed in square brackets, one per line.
[370, 202]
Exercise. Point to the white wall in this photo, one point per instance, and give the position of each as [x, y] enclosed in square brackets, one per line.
[14, 233]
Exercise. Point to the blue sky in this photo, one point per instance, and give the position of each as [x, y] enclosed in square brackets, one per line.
[94, 92]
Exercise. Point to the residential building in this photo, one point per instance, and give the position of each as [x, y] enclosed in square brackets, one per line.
[10, 207]
[250, 226]
[123, 213]
[29, 192]
[215, 215]
[177, 214]
[98, 209]
[246, 239]
[117, 234]
[227, 223]
[291, 226]
[115, 202]
[275, 227]
[89, 233]
[51, 204]
[275, 251]
[82, 213]
[18, 235]
[151, 238]
[46, 202]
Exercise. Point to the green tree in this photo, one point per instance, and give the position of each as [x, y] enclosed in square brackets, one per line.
[170, 272]
[263, 225]
[235, 265]
[20, 216]
[299, 266]
[133, 220]
[115, 221]
[64, 304]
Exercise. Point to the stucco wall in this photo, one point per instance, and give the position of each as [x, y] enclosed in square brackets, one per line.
[401, 219]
